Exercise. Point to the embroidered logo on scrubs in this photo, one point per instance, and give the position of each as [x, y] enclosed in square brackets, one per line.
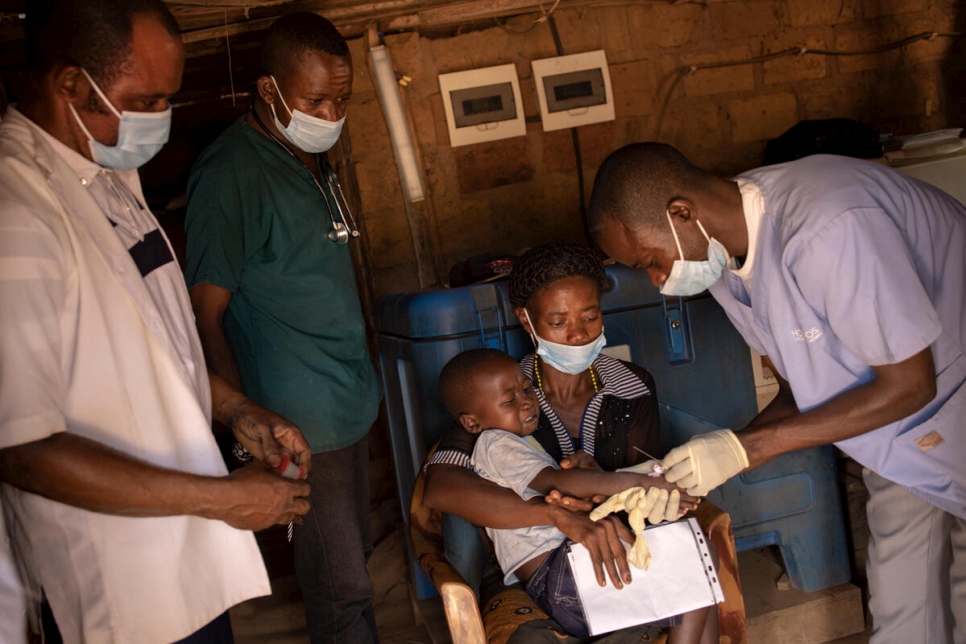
[809, 336]
[930, 440]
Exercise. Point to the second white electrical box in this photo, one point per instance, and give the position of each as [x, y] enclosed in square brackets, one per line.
[573, 90]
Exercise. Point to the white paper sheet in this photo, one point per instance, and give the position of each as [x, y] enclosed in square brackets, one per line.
[681, 578]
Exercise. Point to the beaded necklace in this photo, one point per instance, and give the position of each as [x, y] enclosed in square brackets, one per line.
[536, 372]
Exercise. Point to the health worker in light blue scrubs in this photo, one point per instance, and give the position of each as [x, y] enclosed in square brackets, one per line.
[849, 277]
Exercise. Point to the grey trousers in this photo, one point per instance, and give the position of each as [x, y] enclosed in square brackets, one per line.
[917, 567]
[332, 548]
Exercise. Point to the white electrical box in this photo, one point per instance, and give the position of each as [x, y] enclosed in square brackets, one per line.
[482, 105]
[573, 90]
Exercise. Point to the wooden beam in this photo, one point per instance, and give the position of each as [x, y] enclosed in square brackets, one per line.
[403, 14]
[231, 29]
[464, 11]
[223, 4]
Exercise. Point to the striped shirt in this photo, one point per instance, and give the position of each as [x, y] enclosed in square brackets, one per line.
[621, 416]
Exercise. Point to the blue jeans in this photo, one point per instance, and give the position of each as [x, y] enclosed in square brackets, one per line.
[554, 589]
[333, 546]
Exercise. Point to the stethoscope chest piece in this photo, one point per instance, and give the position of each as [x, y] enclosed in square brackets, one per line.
[339, 233]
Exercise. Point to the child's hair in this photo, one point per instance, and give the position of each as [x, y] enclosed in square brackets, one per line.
[456, 378]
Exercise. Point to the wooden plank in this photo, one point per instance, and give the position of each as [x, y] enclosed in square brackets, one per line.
[221, 4]
[462, 11]
[404, 14]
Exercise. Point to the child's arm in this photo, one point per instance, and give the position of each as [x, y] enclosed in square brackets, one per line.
[583, 483]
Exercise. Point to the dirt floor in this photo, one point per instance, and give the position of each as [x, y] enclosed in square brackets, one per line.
[279, 619]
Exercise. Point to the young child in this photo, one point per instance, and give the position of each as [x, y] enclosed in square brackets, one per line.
[488, 394]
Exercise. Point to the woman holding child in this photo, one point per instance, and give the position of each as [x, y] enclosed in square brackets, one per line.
[595, 411]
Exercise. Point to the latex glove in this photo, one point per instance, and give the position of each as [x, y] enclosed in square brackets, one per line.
[613, 504]
[705, 462]
[640, 554]
[656, 504]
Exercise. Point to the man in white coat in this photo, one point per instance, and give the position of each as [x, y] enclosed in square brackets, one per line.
[123, 518]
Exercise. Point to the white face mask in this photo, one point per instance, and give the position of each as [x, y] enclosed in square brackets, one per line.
[692, 277]
[307, 133]
[564, 357]
[140, 135]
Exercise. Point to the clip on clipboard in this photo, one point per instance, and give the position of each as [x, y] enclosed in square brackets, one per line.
[681, 578]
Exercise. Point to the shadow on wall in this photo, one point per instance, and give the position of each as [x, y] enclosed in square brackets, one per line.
[954, 73]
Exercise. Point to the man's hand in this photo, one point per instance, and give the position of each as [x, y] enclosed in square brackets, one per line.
[256, 498]
[603, 540]
[706, 461]
[579, 460]
[267, 435]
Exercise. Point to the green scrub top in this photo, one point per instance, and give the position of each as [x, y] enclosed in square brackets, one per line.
[257, 225]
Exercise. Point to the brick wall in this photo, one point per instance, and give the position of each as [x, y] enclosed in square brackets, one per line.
[509, 194]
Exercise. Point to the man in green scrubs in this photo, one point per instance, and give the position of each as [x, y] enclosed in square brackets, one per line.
[277, 307]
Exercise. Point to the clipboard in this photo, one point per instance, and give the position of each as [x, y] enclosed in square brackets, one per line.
[681, 578]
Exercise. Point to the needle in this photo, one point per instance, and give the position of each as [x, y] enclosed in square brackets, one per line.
[657, 469]
[644, 453]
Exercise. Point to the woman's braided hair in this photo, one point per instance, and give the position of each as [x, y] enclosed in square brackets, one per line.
[548, 263]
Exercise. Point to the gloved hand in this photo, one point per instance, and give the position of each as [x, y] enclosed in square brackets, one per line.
[705, 462]
[640, 554]
[654, 504]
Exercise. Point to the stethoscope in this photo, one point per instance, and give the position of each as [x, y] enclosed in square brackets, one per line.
[336, 202]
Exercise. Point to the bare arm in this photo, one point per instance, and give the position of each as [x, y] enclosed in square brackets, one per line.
[210, 303]
[897, 391]
[261, 431]
[586, 483]
[458, 490]
[77, 471]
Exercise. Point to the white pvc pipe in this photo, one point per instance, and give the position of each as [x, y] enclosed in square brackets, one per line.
[392, 109]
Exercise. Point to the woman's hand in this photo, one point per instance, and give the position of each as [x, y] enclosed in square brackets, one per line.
[603, 540]
[579, 459]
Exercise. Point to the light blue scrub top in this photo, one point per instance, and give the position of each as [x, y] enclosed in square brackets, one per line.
[856, 266]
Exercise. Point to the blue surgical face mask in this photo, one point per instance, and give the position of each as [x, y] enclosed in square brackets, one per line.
[564, 357]
[690, 277]
[307, 133]
[140, 136]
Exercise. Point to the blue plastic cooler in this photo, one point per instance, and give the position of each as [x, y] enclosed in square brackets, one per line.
[704, 381]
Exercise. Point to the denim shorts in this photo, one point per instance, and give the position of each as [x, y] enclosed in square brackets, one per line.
[554, 589]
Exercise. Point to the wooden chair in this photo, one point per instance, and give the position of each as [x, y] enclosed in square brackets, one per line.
[459, 600]
[468, 626]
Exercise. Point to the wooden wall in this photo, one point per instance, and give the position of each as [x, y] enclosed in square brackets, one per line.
[508, 194]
